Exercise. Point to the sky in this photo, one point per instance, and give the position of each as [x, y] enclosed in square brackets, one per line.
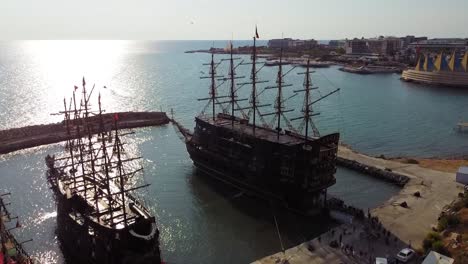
[222, 19]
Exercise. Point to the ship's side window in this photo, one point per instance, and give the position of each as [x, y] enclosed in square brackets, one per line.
[286, 169]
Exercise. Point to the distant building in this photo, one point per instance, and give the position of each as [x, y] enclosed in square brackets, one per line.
[357, 46]
[393, 45]
[279, 43]
[309, 43]
[405, 41]
[291, 43]
[381, 46]
[376, 46]
[440, 43]
[337, 44]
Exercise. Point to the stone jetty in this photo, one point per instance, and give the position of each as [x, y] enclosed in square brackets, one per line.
[405, 225]
[436, 190]
[384, 174]
[32, 136]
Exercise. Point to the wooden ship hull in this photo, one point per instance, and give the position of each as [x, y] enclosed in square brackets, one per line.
[86, 240]
[285, 166]
[99, 219]
[11, 251]
[290, 171]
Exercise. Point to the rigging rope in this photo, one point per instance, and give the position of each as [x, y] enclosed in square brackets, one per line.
[341, 128]
[277, 227]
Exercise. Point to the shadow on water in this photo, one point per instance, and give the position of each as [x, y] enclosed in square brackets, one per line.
[437, 88]
[293, 228]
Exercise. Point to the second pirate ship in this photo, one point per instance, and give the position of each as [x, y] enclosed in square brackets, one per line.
[99, 220]
[293, 165]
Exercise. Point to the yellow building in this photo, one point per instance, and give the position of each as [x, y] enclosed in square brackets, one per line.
[439, 71]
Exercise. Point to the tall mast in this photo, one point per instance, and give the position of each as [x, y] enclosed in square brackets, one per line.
[279, 97]
[233, 101]
[232, 92]
[254, 80]
[254, 106]
[307, 107]
[80, 146]
[306, 100]
[93, 170]
[213, 98]
[67, 119]
[76, 110]
[106, 163]
[119, 166]
[85, 98]
[71, 146]
[213, 84]
[279, 101]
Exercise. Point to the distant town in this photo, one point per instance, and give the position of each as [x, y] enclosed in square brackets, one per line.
[384, 48]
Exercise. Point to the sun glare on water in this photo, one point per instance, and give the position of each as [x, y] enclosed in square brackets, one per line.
[61, 64]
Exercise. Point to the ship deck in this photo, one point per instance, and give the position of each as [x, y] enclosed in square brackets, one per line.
[239, 125]
[112, 209]
[112, 216]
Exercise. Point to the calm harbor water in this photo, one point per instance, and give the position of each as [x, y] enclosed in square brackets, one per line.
[202, 222]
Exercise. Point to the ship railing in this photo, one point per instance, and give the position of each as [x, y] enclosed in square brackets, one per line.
[21, 253]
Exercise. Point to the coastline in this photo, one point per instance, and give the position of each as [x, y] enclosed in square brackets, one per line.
[437, 188]
[438, 164]
[408, 226]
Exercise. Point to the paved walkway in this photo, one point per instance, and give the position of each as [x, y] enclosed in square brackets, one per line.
[366, 242]
[437, 190]
[406, 225]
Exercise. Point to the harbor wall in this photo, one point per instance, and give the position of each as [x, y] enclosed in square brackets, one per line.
[387, 175]
[32, 136]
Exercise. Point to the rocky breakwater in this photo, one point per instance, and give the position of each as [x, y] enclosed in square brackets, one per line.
[385, 174]
[32, 136]
[411, 213]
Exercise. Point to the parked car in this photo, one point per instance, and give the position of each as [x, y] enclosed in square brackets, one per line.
[381, 261]
[405, 255]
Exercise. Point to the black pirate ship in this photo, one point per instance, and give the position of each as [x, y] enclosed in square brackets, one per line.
[11, 251]
[99, 220]
[291, 165]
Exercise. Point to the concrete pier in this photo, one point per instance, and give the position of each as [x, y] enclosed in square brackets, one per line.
[406, 225]
[32, 136]
[437, 190]
[361, 242]
[385, 174]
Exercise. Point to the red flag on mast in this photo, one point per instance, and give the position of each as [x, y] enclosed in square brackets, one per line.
[116, 117]
[256, 32]
[84, 83]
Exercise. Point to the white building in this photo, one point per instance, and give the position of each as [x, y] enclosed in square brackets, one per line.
[462, 175]
[436, 258]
